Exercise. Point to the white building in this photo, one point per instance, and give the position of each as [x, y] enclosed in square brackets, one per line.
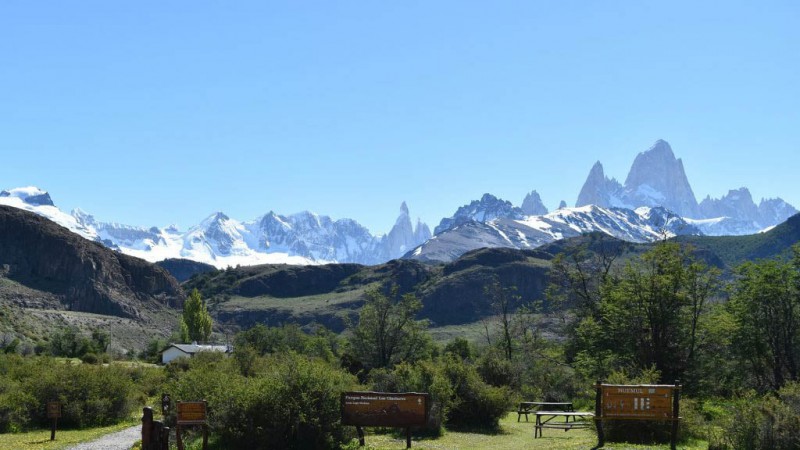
[188, 350]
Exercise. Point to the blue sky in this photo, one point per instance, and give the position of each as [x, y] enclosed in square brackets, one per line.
[152, 113]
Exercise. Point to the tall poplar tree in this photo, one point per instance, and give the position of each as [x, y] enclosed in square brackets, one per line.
[195, 321]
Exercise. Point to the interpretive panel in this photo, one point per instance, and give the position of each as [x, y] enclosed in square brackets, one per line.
[384, 409]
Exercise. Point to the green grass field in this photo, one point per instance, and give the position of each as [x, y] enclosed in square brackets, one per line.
[513, 435]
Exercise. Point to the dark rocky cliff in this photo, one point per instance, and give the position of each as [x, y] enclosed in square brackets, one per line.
[85, 275]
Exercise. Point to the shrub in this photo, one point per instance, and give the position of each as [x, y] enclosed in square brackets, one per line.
[770, 422]
[90, 395]
[291, 402]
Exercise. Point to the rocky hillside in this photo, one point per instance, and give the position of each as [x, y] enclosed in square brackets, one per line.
[82, 275]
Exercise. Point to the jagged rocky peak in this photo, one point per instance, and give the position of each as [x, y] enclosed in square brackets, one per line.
[599, 190]
[737, 203]
[487, 208]
[31, 195]
[772, 211]
[403, 237]
[562, 205]
[657, 178]
[532, 205]
[421, 231]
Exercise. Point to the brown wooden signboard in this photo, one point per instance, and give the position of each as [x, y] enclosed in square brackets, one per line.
[191, 413]
[53, 410]
[54, 413]
[384, 409]
[637, 402]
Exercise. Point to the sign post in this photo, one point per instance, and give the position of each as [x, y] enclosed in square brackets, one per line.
[384, 409]
[192, 414]
[53, 412]
[656, 402]
[165, 404]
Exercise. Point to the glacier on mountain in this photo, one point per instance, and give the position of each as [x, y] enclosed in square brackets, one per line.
[302, 238]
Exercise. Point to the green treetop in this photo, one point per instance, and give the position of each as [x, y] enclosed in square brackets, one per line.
[195, 321]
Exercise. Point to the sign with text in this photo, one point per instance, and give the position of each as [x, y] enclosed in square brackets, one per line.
[648, 402]
[384, 409]
[191, 413]
[53, 410]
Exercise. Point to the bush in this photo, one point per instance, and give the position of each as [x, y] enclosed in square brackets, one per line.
[292, 401]
[90, 395]
[459, 397]
[769, 422]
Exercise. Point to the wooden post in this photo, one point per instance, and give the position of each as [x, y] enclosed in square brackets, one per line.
[147, 427]
[53, 429]
[408, 437]
[178, 438]
[598, 414]
[360, 432]
[205, 437]
[676, 407]
[164, 438]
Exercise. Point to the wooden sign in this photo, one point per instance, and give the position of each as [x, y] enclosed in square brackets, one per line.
[383, 409]
[54, 413]
[191, 413]
[637, 402]
[53, 410]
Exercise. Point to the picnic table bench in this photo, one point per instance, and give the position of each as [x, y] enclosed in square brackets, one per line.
[544, 418]
[526, 408]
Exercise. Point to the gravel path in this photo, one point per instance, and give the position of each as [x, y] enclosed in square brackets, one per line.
[121, 440]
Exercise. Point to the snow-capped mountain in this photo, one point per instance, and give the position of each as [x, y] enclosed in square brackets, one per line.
[487, 208]
[657, 178]
[644, 224]
[302, 238]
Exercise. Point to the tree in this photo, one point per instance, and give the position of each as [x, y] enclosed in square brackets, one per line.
[766, 306]
[649, 316]
[387, 331]
[195, 321]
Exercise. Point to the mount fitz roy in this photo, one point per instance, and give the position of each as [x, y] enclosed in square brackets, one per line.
[302, 238]
[656, 201]
[657, 178]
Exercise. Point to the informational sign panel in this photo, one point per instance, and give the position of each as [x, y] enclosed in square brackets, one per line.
[53, 410]
[384, 409]
[191, 413]
[643, 402]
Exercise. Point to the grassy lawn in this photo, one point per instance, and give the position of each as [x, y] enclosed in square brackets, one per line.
[514, 435]
[40, 439]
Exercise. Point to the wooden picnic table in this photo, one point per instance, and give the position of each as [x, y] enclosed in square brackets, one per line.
[543, 420]
[526, 408]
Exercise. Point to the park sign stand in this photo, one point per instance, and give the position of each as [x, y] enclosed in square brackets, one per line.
[191, 414]
[384, 409]
[53, 412]
[656, 402]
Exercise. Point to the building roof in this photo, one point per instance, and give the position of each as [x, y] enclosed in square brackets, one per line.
[194, 348]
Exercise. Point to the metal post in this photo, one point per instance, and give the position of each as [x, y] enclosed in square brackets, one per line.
[598, 414]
